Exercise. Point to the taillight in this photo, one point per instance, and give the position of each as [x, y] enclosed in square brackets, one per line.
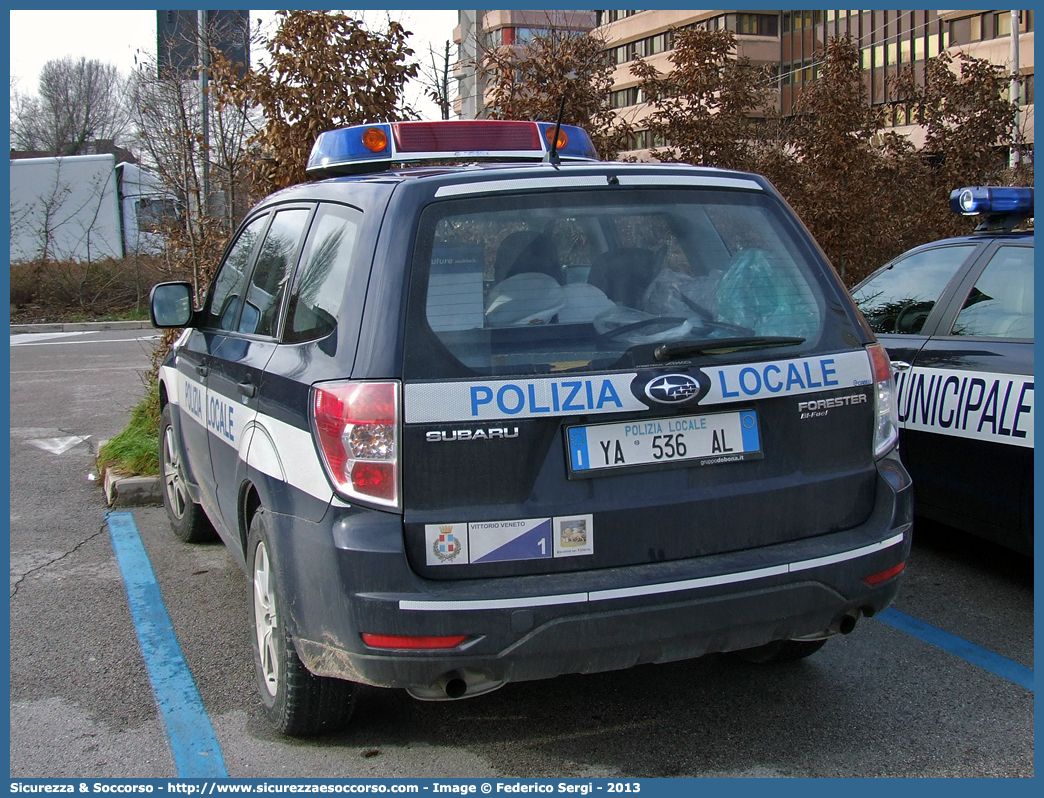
[875, 579]
[886, 428]
[404, 641]
[357, 427]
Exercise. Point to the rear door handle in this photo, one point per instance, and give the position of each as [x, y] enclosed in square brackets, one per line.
[202, 370]
[901, 365]
[248, 389]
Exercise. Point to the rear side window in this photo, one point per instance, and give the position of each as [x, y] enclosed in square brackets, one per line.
[899, 299]
[318, 290]
[576, 281]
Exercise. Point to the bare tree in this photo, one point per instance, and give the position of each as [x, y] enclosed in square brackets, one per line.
[78, 101]
[435, 79]
[166, 109]
[234, 123]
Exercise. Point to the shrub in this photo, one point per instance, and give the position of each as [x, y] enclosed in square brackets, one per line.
[66, 290]
[135, 451]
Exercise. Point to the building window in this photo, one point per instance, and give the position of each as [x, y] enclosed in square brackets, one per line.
[991, 25]
[799, 20]
[753, 24]
[712, 24]
[494, 38]
[605, 17]
[1002, 23]
[1025, 90]
[626, 97]
[661, 42]
[976, 29]
[524, 35]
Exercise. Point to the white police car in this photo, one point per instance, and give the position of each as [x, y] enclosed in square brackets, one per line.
[465, 425]
[957, 319]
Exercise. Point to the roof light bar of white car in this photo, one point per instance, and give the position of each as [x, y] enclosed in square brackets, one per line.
[367, 148]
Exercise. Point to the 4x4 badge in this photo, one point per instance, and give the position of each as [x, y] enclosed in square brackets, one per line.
[672, 389]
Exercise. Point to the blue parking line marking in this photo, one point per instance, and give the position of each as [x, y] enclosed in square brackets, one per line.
[959, 647]
[191, 736]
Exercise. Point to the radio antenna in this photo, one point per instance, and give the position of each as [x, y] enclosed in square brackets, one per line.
[552, 155]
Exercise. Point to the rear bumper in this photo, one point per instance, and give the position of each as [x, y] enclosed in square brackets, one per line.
[349, 575]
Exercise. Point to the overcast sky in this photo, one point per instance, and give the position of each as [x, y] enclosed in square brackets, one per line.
[116, 37]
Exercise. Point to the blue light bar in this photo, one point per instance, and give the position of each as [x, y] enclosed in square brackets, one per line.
[993, 200]
[367, 148]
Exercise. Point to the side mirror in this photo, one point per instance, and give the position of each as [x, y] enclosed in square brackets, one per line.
[170, 305]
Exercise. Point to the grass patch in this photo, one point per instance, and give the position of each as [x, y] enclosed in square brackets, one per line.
[135, 451]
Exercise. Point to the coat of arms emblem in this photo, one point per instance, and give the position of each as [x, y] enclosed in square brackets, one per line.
[446, 546]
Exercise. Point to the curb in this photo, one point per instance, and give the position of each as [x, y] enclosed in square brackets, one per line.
[121, 491]
[80, 326]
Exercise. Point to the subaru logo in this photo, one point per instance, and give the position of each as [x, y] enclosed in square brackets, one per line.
[672, 388]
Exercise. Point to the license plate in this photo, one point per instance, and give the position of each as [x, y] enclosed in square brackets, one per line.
[706, 439]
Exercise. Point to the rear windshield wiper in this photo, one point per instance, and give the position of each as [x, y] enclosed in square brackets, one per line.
[721, 346]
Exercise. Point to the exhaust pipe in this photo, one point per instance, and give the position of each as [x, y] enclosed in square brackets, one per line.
[848, 622]
[455, 684]
[452, 684]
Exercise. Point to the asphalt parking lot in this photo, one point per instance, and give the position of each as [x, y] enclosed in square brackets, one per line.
[883, 701]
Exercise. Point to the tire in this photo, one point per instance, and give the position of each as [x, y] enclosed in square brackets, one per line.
[296, 702]
[187, 519]
[780, 651]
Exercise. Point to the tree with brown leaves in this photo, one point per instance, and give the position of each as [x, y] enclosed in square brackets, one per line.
[530, 81]
[967, 119]
[705, 107]
[866, 193]
[835, 172]
[324, 70]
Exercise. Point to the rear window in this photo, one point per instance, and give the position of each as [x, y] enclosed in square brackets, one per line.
[595, 280]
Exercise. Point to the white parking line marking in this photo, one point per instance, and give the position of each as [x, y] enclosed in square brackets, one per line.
[58, 445]
[20, 339]
[94, 341]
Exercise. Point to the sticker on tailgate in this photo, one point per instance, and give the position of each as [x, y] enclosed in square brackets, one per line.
[511, 540]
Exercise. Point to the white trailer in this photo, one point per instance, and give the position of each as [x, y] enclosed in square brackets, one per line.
[84, 208]
[146, 204]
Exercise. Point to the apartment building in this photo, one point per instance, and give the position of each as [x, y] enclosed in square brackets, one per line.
[891, 41]
[987, 34]
[793, 43]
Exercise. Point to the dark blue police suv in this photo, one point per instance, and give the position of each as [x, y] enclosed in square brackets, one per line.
[466, 425]
[957, 319]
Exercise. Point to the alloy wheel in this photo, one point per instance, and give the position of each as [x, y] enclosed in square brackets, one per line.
[265, 619]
